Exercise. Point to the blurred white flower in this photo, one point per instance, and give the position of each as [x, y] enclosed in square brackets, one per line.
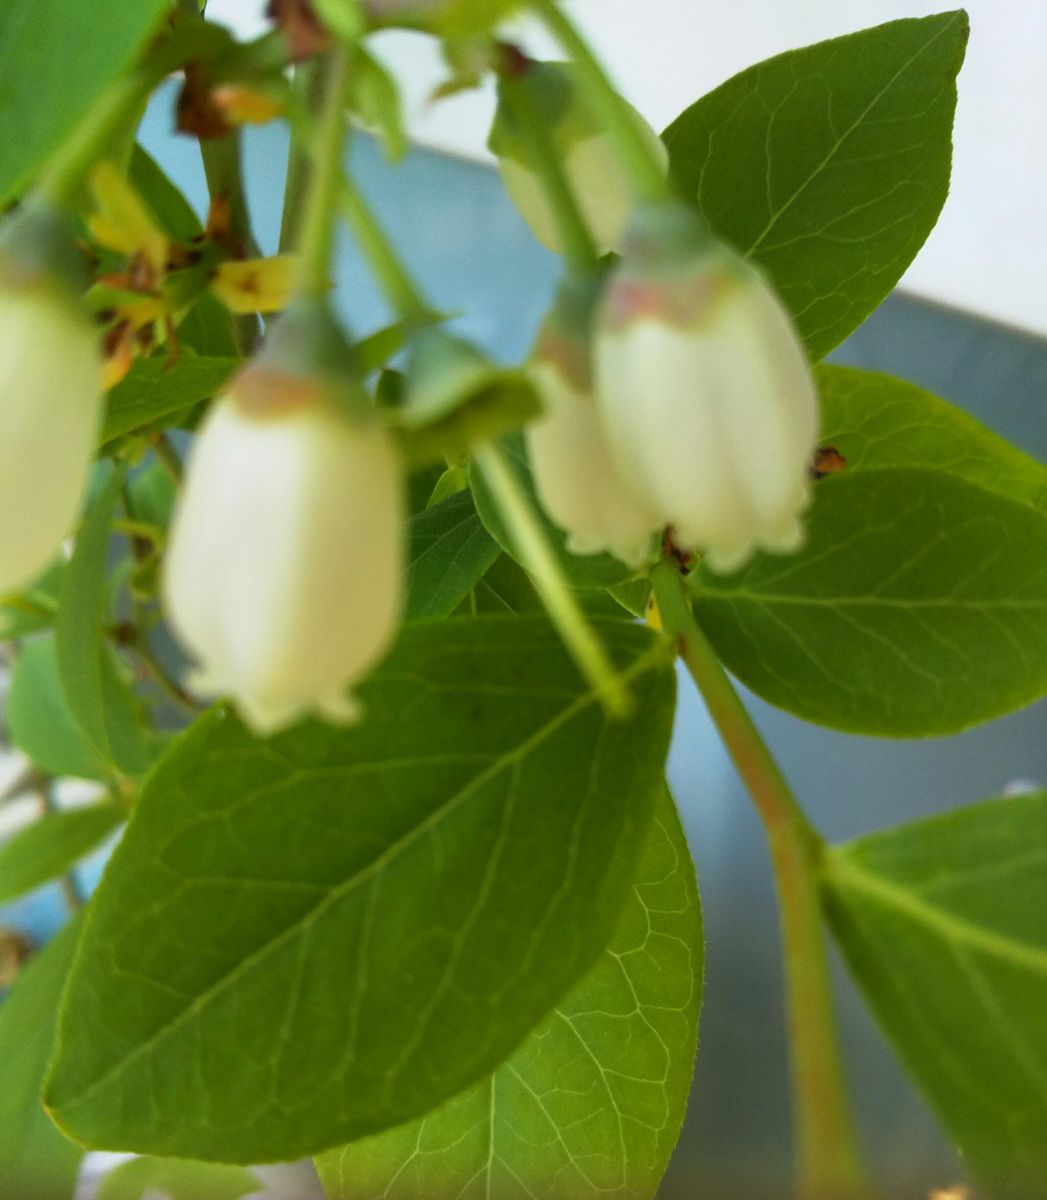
[284, 570]
[709, 404]
[50, 408]
[601, 185]
[576, 480]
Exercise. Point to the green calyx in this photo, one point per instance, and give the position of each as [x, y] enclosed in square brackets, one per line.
[455, 396]
[565, 338]
[554, 98]
[665, 239]
[306, 356]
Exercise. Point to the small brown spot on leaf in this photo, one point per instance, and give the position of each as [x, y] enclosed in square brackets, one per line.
[827, 461]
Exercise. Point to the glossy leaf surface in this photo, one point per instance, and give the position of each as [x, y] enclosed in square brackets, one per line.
[302, 941]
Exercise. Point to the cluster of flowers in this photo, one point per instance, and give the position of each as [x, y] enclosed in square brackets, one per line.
[675, 395]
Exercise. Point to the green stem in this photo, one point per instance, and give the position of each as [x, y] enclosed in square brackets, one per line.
[168, 458]
[62, 182]
[828, 1162]
[640, 160]
[306, 94]
[223, 168]
[140, 530]
[537, 556]
[327, 151]
[403, 294]
[575, 237]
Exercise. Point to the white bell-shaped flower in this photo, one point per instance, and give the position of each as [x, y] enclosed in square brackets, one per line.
[285, 566]
[576, 480]
[709, 404]
[50, 409]
[601, 185]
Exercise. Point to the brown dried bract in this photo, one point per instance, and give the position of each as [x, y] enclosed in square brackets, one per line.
[15, 948]
[197, 113]
[827, 461]
[670, 549]
[302, 30]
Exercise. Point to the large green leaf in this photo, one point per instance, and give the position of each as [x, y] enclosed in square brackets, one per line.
[829, 165]
[581, 570]
[56, 59]
[39, 719]
[303, 941]
[944, 925]
[99, 698]
[591, 1103]
[877, 421]
[36, 1162]
[449, 552]
[50, 846]
[156, 392]
[917, 607]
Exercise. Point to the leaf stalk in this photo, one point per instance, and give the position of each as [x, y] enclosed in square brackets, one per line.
[828, 1163]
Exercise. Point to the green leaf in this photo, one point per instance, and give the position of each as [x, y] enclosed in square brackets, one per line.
[302, 941]
[207, 329]
[50, 846]
[829, 165]
[176, 1179]
[877, 421]
[582, 571]
[156, 392]
[918, 607]
[591, 1103]
[944, 925]
[374, 99]
[506, 588]
[633, 596]
[33, 609]
[163, 199]
[101, 702]
[36, 1162]
[449, 550]
[39, 720]
[152, 495]
[57, 57]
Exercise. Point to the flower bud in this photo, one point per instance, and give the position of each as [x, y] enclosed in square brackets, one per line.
[601, 185]
[577, 482]
[284, 570]
[707, 398]
[50, 396]
[450, 18]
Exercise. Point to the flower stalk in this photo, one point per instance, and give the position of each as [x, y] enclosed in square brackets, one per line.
[572, 227]
[537, 556]
[828, 1163]
[640, 159]
[316, 237]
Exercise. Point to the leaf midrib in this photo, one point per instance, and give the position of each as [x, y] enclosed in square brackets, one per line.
[870, 601]
[843, 874]
[336, 894]
[839, 142]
